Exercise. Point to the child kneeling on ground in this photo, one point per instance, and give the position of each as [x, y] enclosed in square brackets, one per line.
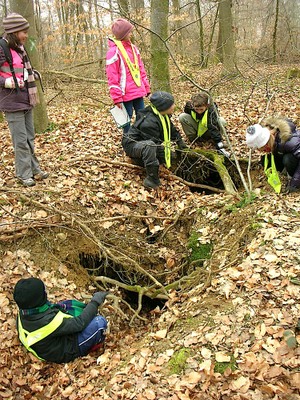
[148, 142]
[59, 332]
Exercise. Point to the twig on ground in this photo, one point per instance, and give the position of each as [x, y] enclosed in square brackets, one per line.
[107, 253]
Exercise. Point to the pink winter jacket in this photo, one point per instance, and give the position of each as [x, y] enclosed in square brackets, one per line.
[12, 100]
[121, 85]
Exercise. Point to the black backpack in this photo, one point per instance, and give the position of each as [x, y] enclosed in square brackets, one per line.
[4, 45]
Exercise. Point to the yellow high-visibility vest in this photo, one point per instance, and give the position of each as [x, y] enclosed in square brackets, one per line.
[133, 66]
[166, 125]
[202, 123]
[30, 338]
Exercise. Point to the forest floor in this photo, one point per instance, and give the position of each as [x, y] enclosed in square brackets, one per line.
[228, 328]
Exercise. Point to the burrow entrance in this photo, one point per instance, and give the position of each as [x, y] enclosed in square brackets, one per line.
[202, 167]
[96, 266]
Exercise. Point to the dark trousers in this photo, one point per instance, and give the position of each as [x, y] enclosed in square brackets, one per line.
[136, 105]
[145, 152]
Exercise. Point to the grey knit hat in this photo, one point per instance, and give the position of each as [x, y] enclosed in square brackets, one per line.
[15, 23]
[162, 100]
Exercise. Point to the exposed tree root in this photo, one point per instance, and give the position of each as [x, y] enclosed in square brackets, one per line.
[128, 165]
[116, 256]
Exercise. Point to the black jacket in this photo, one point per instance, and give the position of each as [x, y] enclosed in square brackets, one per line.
[287, 141]
[148, 127]
[62, 345]
[212, 122]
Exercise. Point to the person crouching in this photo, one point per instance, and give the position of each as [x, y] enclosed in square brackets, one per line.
[279, 139]
[148, 142]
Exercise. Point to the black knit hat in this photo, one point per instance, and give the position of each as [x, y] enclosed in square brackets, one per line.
[162, 100]
[30, 293]
[15, 23]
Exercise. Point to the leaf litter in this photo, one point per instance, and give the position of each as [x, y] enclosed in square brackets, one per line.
[243, 321]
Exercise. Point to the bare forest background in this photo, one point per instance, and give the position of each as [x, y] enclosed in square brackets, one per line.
[71, 35]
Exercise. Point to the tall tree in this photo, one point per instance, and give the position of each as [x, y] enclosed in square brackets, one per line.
[274, 36]
[201, 33]
[124, 8]
[138, 9]
[226, 35]
[26, 8]
[177, 26]
[160, 75]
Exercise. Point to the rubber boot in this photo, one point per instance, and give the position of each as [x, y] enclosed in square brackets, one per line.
[152, 180]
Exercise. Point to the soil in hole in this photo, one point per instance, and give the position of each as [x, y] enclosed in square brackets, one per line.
[94, 266]
[200, 170]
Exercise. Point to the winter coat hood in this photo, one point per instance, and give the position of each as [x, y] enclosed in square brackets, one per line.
[283, 126]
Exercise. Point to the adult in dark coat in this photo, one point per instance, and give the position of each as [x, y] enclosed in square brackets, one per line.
[148, 140]
[70, 337]
[280, 137]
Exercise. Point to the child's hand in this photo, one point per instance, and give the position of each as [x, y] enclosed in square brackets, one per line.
[99, 297]
[21, 83]
[9, 83]
[221, 149]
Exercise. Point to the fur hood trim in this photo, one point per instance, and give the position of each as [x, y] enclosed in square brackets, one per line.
[281, 125]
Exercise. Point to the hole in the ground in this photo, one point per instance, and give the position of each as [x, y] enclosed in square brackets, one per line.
[95, 266]
[148, 304]
[200, 170]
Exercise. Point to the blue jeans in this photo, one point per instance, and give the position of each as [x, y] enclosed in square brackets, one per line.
[136, 105]
[93, 334]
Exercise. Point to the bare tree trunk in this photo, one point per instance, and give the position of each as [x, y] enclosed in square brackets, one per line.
[177, 25]
[219, 49]
[137, 9]
[226, 35]
[26, 8]
[4, 6]
[160, 75]
[201, 33]
[274, 38]
[124, 8]
[209, 47]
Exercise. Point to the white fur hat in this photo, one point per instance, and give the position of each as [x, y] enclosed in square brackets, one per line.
[257, 136]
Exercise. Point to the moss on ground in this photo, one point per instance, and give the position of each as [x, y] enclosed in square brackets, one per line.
[221, 367]
[177, 362]
[198, 251]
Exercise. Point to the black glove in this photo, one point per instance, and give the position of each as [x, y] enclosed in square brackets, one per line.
[99, 297]
[182, 145]
[221, 150]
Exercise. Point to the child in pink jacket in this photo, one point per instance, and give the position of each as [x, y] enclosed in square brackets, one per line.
[127, 79]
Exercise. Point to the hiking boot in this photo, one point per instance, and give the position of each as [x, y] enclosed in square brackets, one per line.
[41, 175]
[152, 180]
[27, 182]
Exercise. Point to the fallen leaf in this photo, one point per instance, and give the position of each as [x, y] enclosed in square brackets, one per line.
[162, 334]
[222, 356]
